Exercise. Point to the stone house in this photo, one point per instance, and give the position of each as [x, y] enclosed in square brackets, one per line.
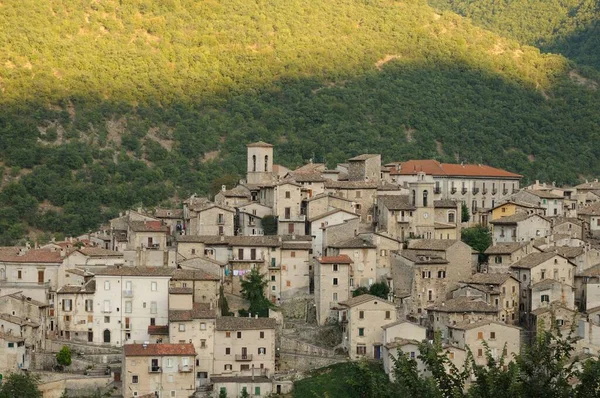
[332, 284]
[193, 323]
[500, 338]
[28, 332]
[446, 216]
[394, 216]
[325, 202]
[366, 167]
[362, 318]
[158, 369]
[233, 197]
[290, 277]
[385, 245]
[212, 219]
[587, 288]
[571, 226]
[361, 193]
[364, 260]
[147, 244]
[554, 316]
[405, 337]
[14, 355]
[172, 218]
[318, 224]
[255, 386]
[459, 310]
[590, 214]
[313, 184]
[553, 204]
[204, 285]
[28, 309]
[537, 267]
[549, 291]
[499, 290]
[511, 208]
[520, 228]
[74, 312]
[287, 207]
[129, 302]
[119, 228]
[244, 346]
[502, 255]
[250, 217]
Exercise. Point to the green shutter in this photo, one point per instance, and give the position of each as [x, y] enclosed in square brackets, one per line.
[256, 390]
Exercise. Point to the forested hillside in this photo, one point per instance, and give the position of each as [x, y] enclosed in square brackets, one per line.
[568, 27]
[107, 105]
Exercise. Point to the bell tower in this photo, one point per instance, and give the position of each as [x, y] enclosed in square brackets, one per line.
[260, 163]
[421, 197]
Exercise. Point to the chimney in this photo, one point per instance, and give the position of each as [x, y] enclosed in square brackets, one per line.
[249, 315]
[210, 305]
[222, 238]
[255, 316]
[62, 252]
[294, 237]
[223, 188]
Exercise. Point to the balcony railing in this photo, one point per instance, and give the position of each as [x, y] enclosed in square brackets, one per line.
[505, 191]
[494, 191]
[185, 368]
[154, 369]
[484, 191]
[475, 191]
[220, 221]
[257, 258]
[453, 190]
[126, 326]
[242, 357]
[464, 191]
[128, 293]
[288, 217]
[437, 190]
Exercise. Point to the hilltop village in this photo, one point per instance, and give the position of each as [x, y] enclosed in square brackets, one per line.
[364, 260]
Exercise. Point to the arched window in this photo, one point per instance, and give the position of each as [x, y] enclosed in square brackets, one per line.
[107, 336]
[414, 198]
[253, 162]
[451, 217]
[425, 193]
[266, 162]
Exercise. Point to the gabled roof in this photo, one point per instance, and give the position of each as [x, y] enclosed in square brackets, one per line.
[518, 204]
[445, 204]
[363, 157]
[353, 243]
[546, 284]
[20, 296]
[240, 323]
[343, 259]
[11, 255]
[543, 194]
[418, 257]
[168, 213]
[435, 168]
[593, 271]
[200, 311]
[475, 325]
[361, 299]
[330, 213]
[589, 185]
[148, 226]
[534, 259]
[431, 244]
[181, 290]
[162, 349]
[99, 252]
[464, 304]
[87, 288]
[562, 220]
[193, 275]
[17, 320]
[389, 325]
[350, 184]
[135, 271]
[566, 251]
[515, 218]
[488, 279]
[396, 202]
[308, 177]
[591, 210]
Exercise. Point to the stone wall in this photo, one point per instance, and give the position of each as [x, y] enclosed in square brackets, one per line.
[74, 386]
[303, 362]
[86, 348]
[297, 308]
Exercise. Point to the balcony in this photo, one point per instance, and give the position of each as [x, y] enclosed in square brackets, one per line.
[288, 217]
[475, 191]
[515, 190]
[247, 357]
[437, 190]
[453, 190]
[505, 192]
[220, 221]
[153, 246]
[464, 191]
[256, 259]
[484, 191]
[126, 326]
[127, 293]
[494, 191]
[154, 369]
[185, 368]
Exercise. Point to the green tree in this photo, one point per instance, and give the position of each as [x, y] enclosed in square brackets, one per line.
[465, 216]
[63, 357]
[409, 382]
[253, 290]
[360, 291]
[222, 393]
[18, 385]
[478, 237]
[368, 380]
[223, 304]
[269, 224]
[380, 289]
[244, 393]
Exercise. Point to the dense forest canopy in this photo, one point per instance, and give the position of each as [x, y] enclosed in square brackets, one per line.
[108, 105]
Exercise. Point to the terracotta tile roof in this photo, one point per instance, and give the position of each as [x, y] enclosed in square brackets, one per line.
[363, 298]
[435, 168]
[181, 290]
[148, 226]
[464, 304]
[158, 330]
[445, 204]
[193, 275]
[99, 252]
[431, 244]
[135, 271]
[343, 259]
[200, 311]
[396, 202]
[259, 144]
[418, 257]
[475, 325]
[505, 248]
[591, 210]
[488, 279]
[544, 194]
[350, 184]
[533, 260]
[589, 185]
[353, 243]
[49, 255]
[163, 349]
[362, 157]
[231, 323]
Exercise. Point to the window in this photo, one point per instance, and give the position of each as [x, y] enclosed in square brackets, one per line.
[227, 351]
[89, 305]
[441, 274]
[227, 367]
[498, 259]
[430, 295]
[451, 355]
[106, 285]
[290, 228]
[106, 306]
[262, 335]
[335, 296]
[383, 252]
[335, 267]
[479, 352]
[545, 298]
[169, 362]
[128, 307]
[451, 217]
[153, 307]
[479, 335]
[273, 288]
[193, 251]
[257, 391]
[361, 331]
[361, 315]
[492, 335]
[135, 379]
[335, 281]
[413, 355]
[513, 289]
[153, 286]
[20, 272]
[239, 335]
[106, 319]
[388, 315]
[426, 274]
[244, 367]
[560, 322]
[202, 343]
[203, 327]
[287, 213]
[272, 278]
[262, 350]
[66, 304]
[358, 194]
[361, 350]
[227, 334]
[67, 318]
[172, 391]
[292, 254]
[288, 194]
[182, 327]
